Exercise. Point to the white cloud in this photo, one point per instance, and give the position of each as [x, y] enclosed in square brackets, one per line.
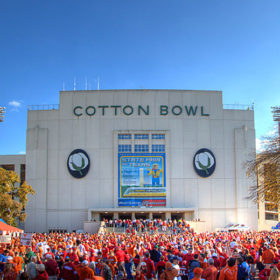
[273, 131]
[15, 104]
[22, 153]
[259, 145]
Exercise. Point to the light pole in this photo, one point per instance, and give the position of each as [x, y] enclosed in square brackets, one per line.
[2, 112]
[276, 118]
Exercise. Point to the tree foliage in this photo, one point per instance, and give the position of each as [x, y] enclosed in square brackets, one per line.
[267, 167]
[13, 197]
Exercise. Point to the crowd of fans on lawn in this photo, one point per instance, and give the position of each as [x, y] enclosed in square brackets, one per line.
[117, 256]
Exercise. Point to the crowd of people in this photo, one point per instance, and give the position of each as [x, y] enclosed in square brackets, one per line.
[152, 226]
[117, 256]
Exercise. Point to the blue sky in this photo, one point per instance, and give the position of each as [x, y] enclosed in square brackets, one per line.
[228, 45]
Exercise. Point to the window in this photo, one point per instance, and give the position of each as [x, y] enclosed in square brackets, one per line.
[141, 136]
[158, 148]
[124, 136]
[141, 148]
[9, 167]
[271, 216]
[124, 148]
[158, 136]
[22, 173]
[271, 207]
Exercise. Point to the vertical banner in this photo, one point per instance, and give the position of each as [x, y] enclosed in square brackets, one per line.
[141, 179]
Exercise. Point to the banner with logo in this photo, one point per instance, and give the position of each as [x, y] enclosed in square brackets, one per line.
[141, 179]
[25, 239]
[6, 238]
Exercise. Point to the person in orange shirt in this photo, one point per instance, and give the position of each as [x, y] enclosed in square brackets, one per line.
[112, 262]
[18, 261]
[197, 272]
[84, 272]
[230, 271]
[268, 256]
[210, 273]
[22, 249]
[40, 250]
[131, 250]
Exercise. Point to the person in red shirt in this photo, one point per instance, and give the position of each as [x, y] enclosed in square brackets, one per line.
[264, 274]
[105, 251]
[51, 267]
[49, 253]
[120, 255]
[188, 257]
[73, 255]
[222, 257]
[217, 263]
[160, 266]
[150, 266]
[41, 272]
[68, 271]
[184, 270]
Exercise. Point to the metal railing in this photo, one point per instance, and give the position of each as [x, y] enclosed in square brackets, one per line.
[239, 107]
[43, 107]
[147, 230]
[56, 107]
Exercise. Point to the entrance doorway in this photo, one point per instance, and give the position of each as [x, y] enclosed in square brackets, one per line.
[142, 216]
[159, 216]
[106, 216]
[125, 216]
[176, 216]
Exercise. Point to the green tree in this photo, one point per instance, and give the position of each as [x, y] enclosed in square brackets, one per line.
[13, 197]
[267, 167]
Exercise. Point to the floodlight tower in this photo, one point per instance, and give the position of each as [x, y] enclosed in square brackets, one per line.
[276, 117]
[2, 112]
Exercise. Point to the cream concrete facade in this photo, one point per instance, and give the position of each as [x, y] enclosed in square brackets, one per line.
[62, 201]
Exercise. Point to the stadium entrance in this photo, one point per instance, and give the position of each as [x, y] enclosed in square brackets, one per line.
[106, 216]
[177, 216]
[143, 216]
[125, 216]
[159, 216]
[141, 213]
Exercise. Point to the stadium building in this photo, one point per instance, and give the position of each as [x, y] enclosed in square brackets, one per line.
[137, 154]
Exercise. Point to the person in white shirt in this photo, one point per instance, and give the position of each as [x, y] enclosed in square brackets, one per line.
[175, 264]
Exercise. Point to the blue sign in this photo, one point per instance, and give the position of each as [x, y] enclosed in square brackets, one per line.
[141, 179]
